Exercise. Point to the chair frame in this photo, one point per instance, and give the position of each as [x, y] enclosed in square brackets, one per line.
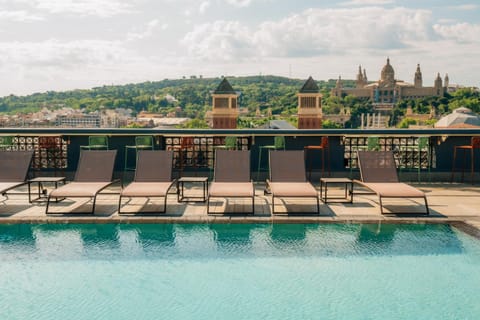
[388, 155]
[98, 191]
[215, 171]
[93, 143]
[302, 180]
[26, 162]
[278, 143]
[172, 182]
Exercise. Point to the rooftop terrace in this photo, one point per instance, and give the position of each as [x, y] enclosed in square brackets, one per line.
[454, 202]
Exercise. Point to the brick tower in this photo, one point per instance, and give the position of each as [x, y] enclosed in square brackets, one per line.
[309, 106]
[224, 110]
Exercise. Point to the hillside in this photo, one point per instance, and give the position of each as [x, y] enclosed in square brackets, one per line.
[192, 98]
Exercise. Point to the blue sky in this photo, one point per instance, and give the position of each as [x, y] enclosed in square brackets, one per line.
[69, 44]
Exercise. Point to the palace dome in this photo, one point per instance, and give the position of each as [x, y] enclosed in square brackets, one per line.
[388, 74]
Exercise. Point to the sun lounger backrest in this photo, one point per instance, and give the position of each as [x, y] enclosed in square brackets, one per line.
[95, 166]
[377, 166]
[14, 165]
[287, 166]
[232, 166]
[154, 166]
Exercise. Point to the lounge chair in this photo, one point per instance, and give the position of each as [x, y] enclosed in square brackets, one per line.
[379, 174]
[153, 177]
[231, 177]
[94, 174]
[14, 166]
[288, 177]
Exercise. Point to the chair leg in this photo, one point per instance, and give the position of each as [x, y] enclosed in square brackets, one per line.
[426, 206]
[323, 162]
[119, 204]
[253, 204]
[165, 204]
[94, 202]
[273, 205]
[381, 204]
[48, 204]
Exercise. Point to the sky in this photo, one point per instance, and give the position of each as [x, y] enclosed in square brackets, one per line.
[79, 44]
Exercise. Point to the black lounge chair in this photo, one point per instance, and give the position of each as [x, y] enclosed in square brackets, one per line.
[288, 178]
[153, 178]
[14, 166]
[93, 175]
[232, 177]
[379, 173]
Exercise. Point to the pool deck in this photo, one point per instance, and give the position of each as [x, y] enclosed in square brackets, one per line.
[449, 203]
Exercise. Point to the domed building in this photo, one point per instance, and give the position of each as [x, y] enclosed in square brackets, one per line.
[389, 90]
[459, 118]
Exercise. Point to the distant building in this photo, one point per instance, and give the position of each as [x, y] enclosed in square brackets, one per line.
[459, 118]
[341, 118]
[278, 124]
[309, 106]
[91, 120]
[389, 90]
[225, 109]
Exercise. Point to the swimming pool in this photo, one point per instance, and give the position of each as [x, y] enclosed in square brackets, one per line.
[238, 271]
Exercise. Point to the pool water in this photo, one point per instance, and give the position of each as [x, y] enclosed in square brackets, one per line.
[238, 271]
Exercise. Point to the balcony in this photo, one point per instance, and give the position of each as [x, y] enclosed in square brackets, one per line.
[57, 152]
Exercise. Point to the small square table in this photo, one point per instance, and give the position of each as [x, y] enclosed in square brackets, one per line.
[348, 184]
[42, 192]
[181, 197]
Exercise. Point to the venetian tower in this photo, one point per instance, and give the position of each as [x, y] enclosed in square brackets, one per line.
[438, 85]
[361, 78]
[224, 109]
[309, 106]
[417, 81]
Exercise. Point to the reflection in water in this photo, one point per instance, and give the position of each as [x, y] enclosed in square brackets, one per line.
[288, 233]
[155, 234]
[99, 235]
[232, 237]
[411, 239]
[376, 233]
[18, 234]
[170, 241]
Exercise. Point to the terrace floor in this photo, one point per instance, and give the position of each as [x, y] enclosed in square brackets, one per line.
[448, 202]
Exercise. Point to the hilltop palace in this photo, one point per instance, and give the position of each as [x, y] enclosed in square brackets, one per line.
[389, 90]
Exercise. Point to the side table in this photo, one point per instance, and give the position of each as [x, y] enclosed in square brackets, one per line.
[181, 192]
[42, 192]
[348, 185]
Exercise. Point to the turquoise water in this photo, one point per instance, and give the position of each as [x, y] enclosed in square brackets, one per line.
[238, 272]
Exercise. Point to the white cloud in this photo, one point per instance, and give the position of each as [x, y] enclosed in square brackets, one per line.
[146, 31]
[62, 55]
[460, 32]
[204, 6]
[101, 8]
[464, 7]
[312, 32]
[239, 3]
[220, 40]
[19, 16]
[367, 2]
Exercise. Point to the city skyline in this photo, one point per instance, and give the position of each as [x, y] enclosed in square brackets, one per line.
[65, 44]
